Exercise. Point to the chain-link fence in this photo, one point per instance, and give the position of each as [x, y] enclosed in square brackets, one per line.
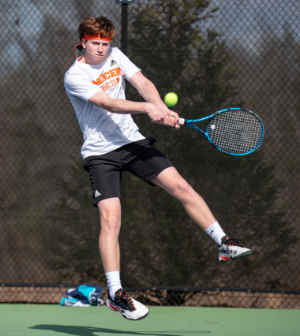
[241, 54]
[164, 296]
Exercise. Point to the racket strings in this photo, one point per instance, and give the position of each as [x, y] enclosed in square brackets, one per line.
[235, 132]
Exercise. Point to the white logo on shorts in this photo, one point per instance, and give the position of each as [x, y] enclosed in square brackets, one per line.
[97, 193]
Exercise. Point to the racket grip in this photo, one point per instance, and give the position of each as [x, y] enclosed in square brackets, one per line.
[181, 121]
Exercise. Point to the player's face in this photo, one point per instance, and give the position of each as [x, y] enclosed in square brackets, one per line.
[95, 51]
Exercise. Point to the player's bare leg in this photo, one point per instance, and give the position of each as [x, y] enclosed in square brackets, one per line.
[110, 219]
[118, 299]
[170, 180]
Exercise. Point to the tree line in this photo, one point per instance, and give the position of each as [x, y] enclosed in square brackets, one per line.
[58, 228]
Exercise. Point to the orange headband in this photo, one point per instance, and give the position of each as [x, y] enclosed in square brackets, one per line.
[96, 37]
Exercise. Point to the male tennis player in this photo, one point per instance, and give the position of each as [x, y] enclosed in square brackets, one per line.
[95, 84]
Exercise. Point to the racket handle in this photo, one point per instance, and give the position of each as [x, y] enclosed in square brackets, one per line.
[181, 121]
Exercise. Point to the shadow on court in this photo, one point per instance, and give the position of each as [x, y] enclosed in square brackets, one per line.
[89, 331]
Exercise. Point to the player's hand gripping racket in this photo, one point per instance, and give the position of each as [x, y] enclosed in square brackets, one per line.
[235, 130]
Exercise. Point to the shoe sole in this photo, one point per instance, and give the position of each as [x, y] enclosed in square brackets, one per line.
[242, 255]
[115, 309]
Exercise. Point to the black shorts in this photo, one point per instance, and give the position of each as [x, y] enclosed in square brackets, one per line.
[138, 158]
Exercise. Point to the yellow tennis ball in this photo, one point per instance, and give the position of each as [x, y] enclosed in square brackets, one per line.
[171, 99]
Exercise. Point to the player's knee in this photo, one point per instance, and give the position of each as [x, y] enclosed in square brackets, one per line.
[110, 224]
[183, 188]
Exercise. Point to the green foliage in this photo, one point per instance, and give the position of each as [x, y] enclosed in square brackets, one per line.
[23, 209]
[73, 230]
[163, 243]
[177, 57]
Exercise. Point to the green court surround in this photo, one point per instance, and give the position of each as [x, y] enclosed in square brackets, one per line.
[50, 320]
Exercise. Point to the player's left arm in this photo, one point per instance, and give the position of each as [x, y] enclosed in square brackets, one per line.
[149, 92]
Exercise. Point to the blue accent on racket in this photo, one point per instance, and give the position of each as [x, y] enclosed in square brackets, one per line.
[235, 130]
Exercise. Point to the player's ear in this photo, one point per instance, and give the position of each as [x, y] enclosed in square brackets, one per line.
[83, 42]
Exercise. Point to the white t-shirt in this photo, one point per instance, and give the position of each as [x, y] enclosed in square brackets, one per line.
[103, 131]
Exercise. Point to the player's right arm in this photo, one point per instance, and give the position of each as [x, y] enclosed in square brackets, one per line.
[103, 100]
[78, 84]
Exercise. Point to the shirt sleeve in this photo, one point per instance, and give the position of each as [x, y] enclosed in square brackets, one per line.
[80, 85]
[127, 66]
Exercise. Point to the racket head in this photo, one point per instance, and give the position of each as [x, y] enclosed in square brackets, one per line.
[235, 131]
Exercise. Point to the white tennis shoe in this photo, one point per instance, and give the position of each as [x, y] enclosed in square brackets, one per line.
[230, 249]
[127, 306]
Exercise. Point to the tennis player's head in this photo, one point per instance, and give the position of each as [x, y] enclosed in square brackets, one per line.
[95, 34]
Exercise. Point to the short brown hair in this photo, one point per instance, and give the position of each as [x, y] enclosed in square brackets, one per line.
[95, 25]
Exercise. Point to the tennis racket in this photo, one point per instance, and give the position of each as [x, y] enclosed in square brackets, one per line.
[234, 131]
